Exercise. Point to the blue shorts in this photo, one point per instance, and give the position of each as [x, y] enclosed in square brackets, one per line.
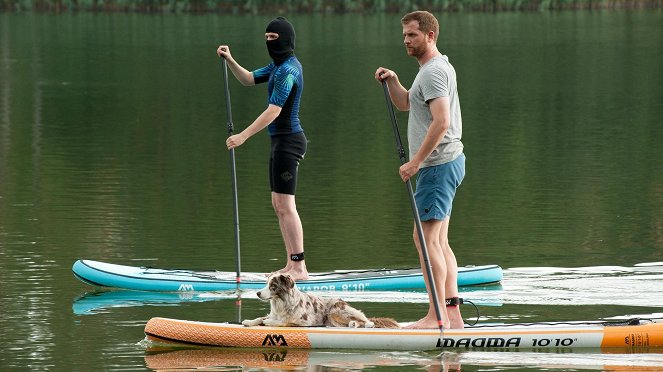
[436, 188]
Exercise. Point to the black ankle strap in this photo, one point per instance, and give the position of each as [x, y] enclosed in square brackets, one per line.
[453, 301]
[297, 257]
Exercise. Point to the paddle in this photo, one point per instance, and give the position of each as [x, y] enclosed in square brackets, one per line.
[233, 175]
[415, 211]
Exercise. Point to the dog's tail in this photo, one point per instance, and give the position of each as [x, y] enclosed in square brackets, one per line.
[384, 323]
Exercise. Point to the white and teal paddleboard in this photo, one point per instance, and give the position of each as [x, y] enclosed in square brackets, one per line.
[177, 280]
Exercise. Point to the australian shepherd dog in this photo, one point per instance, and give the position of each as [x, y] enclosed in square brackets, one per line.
[290, 307]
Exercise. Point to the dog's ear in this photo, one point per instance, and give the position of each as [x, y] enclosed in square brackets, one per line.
[287, 281]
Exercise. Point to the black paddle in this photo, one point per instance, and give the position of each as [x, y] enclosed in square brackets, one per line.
[233, 172]
[415, 211]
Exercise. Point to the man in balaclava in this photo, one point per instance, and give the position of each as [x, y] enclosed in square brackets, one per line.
[285, 82]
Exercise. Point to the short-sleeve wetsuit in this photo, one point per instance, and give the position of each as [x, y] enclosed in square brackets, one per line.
[285, 83]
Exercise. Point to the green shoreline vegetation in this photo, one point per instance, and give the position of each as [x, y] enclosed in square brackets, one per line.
[316, 6]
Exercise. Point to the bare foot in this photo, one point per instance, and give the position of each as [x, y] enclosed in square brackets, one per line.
[286, 269]
[455, 318]
[427, 323]
[457, 323]
[297, 275]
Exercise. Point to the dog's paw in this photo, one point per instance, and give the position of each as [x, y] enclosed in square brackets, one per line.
[354, 324]
[369, 324]
[273, 323]
[251, 322]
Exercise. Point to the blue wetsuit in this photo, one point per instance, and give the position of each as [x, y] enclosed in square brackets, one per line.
[284, 89]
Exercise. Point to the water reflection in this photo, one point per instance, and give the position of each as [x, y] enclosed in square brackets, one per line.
[606, 360]
[159, 358]
[594, 285]
[162, 358]
[30, 315]
[5, 99]
[98, 301]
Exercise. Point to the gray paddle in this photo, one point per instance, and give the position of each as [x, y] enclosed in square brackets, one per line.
[415, 211]
[233, 172]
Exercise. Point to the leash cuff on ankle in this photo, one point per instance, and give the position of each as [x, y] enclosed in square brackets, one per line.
[453, 301]
[297, 257]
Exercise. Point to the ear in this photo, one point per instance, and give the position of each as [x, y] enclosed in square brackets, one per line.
[288, 282]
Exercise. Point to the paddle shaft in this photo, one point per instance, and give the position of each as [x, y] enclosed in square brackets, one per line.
[415, 211]
[233, 171]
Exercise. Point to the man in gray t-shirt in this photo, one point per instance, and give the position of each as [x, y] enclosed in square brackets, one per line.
[436, 78]
[436, 157]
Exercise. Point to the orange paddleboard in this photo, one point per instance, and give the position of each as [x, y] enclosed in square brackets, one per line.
[634, 335]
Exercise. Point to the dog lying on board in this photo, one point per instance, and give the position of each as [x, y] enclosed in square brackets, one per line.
[290, 307]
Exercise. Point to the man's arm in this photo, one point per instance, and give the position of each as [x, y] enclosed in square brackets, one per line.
[259, 124]
[244, 76]
[397, 92]
[439, 108]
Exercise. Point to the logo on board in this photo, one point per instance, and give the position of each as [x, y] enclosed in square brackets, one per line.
[274, 340]
[479, 342]
[185, 287]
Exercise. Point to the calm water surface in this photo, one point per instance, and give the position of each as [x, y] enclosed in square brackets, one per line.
[111, 148]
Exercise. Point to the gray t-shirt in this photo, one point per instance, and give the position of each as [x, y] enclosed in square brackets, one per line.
[436, 78]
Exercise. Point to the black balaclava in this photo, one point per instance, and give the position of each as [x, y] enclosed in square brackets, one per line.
[283, 47]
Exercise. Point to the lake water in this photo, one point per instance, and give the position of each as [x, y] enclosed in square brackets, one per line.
[112, 131]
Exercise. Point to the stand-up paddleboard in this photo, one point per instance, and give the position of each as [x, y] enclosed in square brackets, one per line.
[633, 335]
[174, 280]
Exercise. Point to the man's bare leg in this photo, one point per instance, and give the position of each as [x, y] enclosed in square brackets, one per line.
[451, 282]
[436, 257]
